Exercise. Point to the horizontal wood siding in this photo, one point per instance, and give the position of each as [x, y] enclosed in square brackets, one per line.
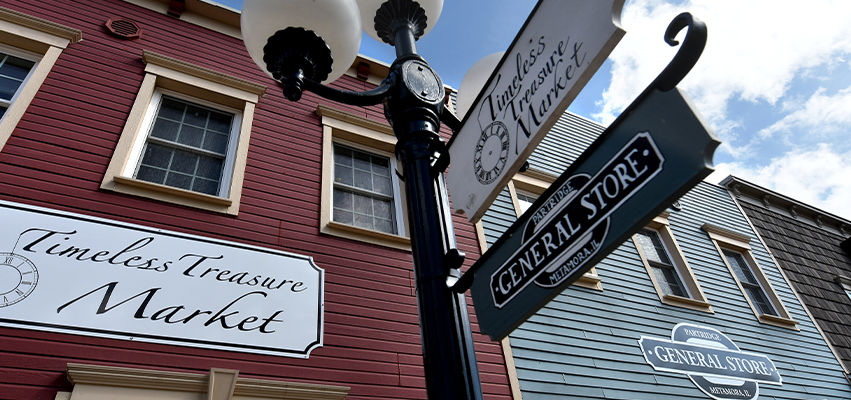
[584, 344]
[59, 152]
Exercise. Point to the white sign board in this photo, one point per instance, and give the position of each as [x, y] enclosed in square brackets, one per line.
[556, 52]
[69, 273]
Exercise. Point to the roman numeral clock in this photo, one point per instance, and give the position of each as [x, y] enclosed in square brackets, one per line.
[18, 277]
[491, 152]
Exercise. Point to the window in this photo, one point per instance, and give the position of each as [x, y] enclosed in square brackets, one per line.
[29, 47]
[13, 73]
[524, 189]
[362, 197]
[660, 263]
[187, 146]
[735, 251]
[186, 138]
[363, 190]
[667, 267]
[749, 282]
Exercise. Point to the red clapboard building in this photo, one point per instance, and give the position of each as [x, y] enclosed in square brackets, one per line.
[174, 228]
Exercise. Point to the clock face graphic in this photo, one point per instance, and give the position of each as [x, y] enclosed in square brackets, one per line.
[18, 277]
[491, 152]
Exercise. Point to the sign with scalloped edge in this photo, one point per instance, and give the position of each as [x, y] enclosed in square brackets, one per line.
[560, 47]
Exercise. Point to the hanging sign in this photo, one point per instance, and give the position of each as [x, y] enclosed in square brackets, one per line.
[560, 47]
[70, 273]
[712, 361]
[647, 159]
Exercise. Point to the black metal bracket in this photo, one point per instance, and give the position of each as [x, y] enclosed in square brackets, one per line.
[367, 98]
[441, 161]
[453, 259]
[687, 55]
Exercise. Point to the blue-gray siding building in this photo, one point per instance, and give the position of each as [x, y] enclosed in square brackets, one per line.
[699, 263]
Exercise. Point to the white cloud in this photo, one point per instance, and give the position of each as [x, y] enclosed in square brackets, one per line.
[821, 114]
[754, 51]
[820, 177]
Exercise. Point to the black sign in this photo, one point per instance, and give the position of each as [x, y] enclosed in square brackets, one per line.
[646, 160]
[566, 231]
[706, 355]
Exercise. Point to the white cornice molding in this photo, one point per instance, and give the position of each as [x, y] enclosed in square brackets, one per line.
[328, 112]
[541, 175]
[41, 25]
[149, 57]
[786, 206]
[103, 375]
[719, 231]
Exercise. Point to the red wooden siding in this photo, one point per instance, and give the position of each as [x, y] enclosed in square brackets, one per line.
[59, 152]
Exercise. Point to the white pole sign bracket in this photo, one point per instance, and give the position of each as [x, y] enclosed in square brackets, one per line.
[554, 55]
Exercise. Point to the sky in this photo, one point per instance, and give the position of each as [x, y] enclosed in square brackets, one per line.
[774, 82]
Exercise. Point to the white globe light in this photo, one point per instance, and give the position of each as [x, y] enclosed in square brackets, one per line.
[368, 8]
[473, 82]
[337, 22]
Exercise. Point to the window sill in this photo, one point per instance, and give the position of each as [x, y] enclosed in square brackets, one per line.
[685, 302]
[123, 184]
[589, 281]
[782, 322]
[367, 235]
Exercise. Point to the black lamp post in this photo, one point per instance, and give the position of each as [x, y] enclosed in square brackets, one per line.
[413, 95]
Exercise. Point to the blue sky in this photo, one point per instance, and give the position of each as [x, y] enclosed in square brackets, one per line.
[774, 81]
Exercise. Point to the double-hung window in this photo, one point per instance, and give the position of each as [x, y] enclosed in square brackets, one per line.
[186, 138]
[362, 196]
[188, 146]
[660, 263]
[14, 71]
[29, 48]
[736, 253]
[363, 190]
[667, 267]
[749, 282]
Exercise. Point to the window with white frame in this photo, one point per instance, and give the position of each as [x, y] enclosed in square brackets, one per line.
[189, 145]
[186, 137]
[14, 70]
[750, 284]
[364, 194]
[29, 48]
[660, 263]
[735, 251]
[667, 267]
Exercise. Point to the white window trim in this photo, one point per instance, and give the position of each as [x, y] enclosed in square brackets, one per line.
[370, 136]
[26, 55]
[536, 185]
[725, 239]
[397, 187]
[103, 382]
[696, 299]
[193, 83]
[41, 39]
[135, 156]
